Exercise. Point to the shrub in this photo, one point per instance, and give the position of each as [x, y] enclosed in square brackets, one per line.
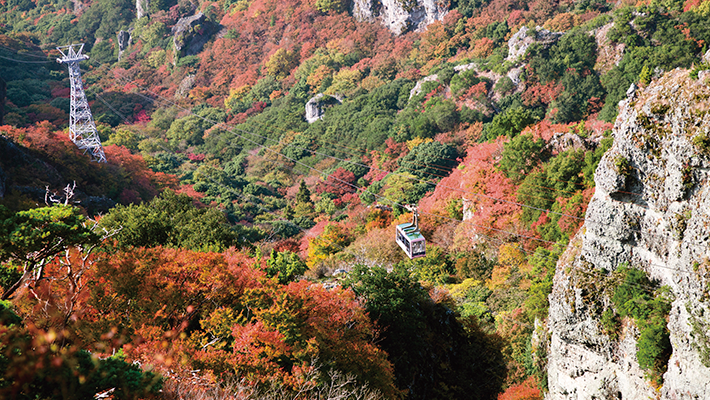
[188, 61]
[610, 323]
[702, 142]
[622, 166]
[700, 67]
[286, 266]
[637, 297]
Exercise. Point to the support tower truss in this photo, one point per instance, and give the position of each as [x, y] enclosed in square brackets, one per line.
[82, 130]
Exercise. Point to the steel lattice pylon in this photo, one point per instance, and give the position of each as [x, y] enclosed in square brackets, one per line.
[82, 130]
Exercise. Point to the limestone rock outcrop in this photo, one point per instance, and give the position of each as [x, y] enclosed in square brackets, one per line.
[191, 33]
[609, 54]
[124, 41]
[315, 107]
[417, 89]
[651, 210]
[518, 43]
[142, 8]
[187, 83]
[400, 16]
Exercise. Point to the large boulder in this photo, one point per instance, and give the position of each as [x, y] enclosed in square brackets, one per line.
[417, 89]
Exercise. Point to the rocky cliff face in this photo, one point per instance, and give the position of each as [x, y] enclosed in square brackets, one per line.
[315, 107]
[518, 43]
[400, 16]
[124, 41]
[142, 8]
[191, 33]
[651, 210]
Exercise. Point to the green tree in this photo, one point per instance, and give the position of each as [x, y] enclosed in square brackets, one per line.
[463, 80]
[304, 207]
[331, 5]
[635, 297]
[569, 62]
[30, 239]
[442, 114]
[564, 173]
[429, 160]
[281, 62]
[543, 262]
[304, 194]
[333, 240]
[189, 131]
[172, 220]
[533, 193]
[509, 123]
[574, 101]
[435, 268]
[124, 137]
[403, 188]
[521, 155]
[435, 355]
[286, 265]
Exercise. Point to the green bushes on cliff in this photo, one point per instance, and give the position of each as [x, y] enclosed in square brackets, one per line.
[640, 298]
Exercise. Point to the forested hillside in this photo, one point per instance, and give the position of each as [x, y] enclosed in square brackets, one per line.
[240, 240]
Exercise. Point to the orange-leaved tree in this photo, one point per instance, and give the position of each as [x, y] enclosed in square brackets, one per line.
[220, 313]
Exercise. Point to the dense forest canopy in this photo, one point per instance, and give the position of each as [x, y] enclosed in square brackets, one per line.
[231, 247]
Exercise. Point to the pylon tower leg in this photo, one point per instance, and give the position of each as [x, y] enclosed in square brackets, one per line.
[82, 130]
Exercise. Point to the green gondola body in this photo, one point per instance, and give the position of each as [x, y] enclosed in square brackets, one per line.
[411, 240]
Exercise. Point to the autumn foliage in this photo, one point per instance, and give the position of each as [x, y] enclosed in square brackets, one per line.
[525, 391]
[220, 314]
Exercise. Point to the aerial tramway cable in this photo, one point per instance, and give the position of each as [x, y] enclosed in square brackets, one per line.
[522, 249]
[357, 188]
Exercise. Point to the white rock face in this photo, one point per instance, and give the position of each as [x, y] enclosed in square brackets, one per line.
[315, 108]
[400, 16]
[190, 34]
[518, 43]
[465, 67]
[417, 89]
[142, 8]
[608, 54]
[656, 218]
[706, 57]
[185, 86]
[514, 75]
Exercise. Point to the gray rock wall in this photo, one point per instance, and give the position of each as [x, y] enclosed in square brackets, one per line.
[656, 217]
[518, 43]
[190, 34]
[124, 41]
[315, 107]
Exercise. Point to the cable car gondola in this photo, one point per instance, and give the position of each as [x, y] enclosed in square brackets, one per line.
[410, 239]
